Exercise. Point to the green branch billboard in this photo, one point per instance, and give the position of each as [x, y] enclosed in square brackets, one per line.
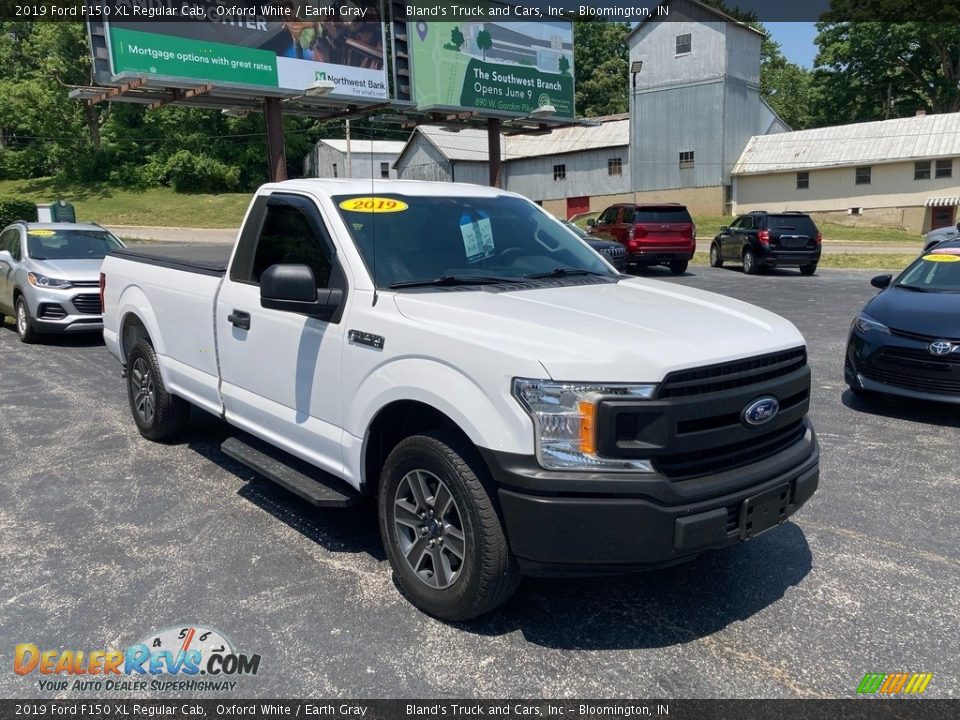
[495, 68]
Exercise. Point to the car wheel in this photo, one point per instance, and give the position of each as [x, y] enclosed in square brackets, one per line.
[716, 260]
[679, 267]
[441, 530]
[808, 269]
[749, 262]
[24, 322]
[158, 414]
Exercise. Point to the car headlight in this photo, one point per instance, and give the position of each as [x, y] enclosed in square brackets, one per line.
[864, 323]
[565, 422]
[38, 280]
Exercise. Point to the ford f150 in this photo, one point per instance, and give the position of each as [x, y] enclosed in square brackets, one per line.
[514, 404]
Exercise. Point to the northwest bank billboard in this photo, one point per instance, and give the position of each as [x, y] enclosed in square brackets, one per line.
[493, 67]
[342, 43]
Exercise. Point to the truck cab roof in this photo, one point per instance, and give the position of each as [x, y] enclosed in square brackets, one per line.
[358, 186]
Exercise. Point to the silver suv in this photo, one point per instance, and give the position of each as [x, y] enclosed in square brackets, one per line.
[50, 276]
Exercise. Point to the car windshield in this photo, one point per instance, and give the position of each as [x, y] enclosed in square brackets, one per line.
[662, 215]
[409, 240]
[792, 225]
[575, 229]
[48, 244]
[938, 271]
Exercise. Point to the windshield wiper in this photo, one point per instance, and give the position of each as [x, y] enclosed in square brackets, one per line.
[564, 272]
[449, 280]
[911, 287]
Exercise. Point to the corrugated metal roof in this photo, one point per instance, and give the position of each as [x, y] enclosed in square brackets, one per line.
[470, 144]
[384, 147]
[918, 137]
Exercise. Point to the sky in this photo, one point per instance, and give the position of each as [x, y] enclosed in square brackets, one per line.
[796, 40]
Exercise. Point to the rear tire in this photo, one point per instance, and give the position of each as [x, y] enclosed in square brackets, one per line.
[434, 489]
[808, 269]
[716, 259]
[158, 414]
[679, 267]
[749, 262]
[25, 330]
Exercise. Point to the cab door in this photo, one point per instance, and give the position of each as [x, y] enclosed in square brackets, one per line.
[730, 239]
[280, 371]
[9, 241]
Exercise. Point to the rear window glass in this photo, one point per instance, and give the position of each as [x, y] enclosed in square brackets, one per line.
[793, 224]
[663, 215]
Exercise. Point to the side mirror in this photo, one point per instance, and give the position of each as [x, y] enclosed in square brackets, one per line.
[5, 256]
[592, 222]
[724, 228]
[881, 281]
[293, 288]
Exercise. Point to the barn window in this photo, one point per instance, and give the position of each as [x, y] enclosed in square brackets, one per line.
[335, 170]
[684, 44]
[385, 170]
[862, 176]
[945, 168]
[921, 170]
[615, 166]
[559, 172]
[803, 180]
[686, 159]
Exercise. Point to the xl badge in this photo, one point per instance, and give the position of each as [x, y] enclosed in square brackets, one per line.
[940, 347]
[760, 411]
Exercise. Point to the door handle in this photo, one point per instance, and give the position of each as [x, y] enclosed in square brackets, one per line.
[240, 319]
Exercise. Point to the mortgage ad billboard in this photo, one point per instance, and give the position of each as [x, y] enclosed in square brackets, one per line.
[496, 68]
[311, 42]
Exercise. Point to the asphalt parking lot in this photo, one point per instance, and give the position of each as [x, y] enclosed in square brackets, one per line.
[106, 537]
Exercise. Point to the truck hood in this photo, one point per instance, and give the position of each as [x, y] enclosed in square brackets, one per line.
[632, 331]
[77, 270]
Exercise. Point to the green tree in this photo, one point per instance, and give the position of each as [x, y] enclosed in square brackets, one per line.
[876, 70]
[601, 61]
[484, 42]
[564, 65]
[456, 37]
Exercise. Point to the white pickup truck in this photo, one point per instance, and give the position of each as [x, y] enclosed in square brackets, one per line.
[514, 405]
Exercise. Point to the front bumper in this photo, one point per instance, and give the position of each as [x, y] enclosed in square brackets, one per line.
[564, 523]
[902, 366]
[64, 311]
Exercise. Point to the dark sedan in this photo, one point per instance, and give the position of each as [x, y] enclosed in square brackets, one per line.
[906, 340]
[614, 252]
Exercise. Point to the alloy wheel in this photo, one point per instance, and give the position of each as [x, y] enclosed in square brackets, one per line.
[144, 390]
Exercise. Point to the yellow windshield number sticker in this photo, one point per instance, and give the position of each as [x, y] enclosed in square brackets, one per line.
[373, 205]
[941, 258]
[41, 233]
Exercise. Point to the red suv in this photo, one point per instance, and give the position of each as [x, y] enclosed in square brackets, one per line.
[661, 234]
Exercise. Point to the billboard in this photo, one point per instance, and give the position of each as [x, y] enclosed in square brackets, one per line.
[496, 68]
[315, 42]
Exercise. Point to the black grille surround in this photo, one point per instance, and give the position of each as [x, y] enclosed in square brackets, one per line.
[694, 426]
[87, 303]
[914, 369]
[51, 311]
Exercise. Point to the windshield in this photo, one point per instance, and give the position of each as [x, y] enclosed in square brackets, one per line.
[938, 271]
[405, 239]
[575, 229]
[46, 244]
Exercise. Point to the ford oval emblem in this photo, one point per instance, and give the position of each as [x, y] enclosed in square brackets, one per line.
[760, 411]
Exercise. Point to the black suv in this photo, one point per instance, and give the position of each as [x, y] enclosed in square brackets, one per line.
[761, 239]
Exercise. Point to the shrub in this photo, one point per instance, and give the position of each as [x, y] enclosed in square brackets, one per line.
[15, 209]
[195, 172]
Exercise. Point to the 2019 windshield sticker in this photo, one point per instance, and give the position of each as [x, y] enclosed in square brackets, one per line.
[477, 235]
[373, 205]
[941, 257]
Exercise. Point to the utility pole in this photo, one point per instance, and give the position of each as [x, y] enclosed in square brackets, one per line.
[276, 155]
[349, 155]
[493, 150]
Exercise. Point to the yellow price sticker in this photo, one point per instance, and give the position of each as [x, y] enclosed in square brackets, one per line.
[41, 233]
[373, 205]
[941, 258]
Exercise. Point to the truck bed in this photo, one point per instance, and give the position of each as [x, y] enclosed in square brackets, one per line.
[201, 259]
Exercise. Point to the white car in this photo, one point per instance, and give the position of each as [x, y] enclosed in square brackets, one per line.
[939, 235]
[514, 404]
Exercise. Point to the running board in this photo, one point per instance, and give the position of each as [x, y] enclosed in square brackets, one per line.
[312, 484]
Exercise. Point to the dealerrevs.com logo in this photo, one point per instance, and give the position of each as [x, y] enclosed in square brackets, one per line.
[178, 659]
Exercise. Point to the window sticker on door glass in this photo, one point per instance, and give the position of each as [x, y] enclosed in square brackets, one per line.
[477, 236]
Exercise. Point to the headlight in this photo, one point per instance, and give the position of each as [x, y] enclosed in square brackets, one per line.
[565, 422]
[38, 280]
[864, 323]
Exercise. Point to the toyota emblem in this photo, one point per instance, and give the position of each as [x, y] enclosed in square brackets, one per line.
[940, 347]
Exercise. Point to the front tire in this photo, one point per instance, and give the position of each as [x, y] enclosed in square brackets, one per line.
[25, 330]
[679, 267]
[440, 528]
[749, 262]
[158, 414]
[716, 259]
